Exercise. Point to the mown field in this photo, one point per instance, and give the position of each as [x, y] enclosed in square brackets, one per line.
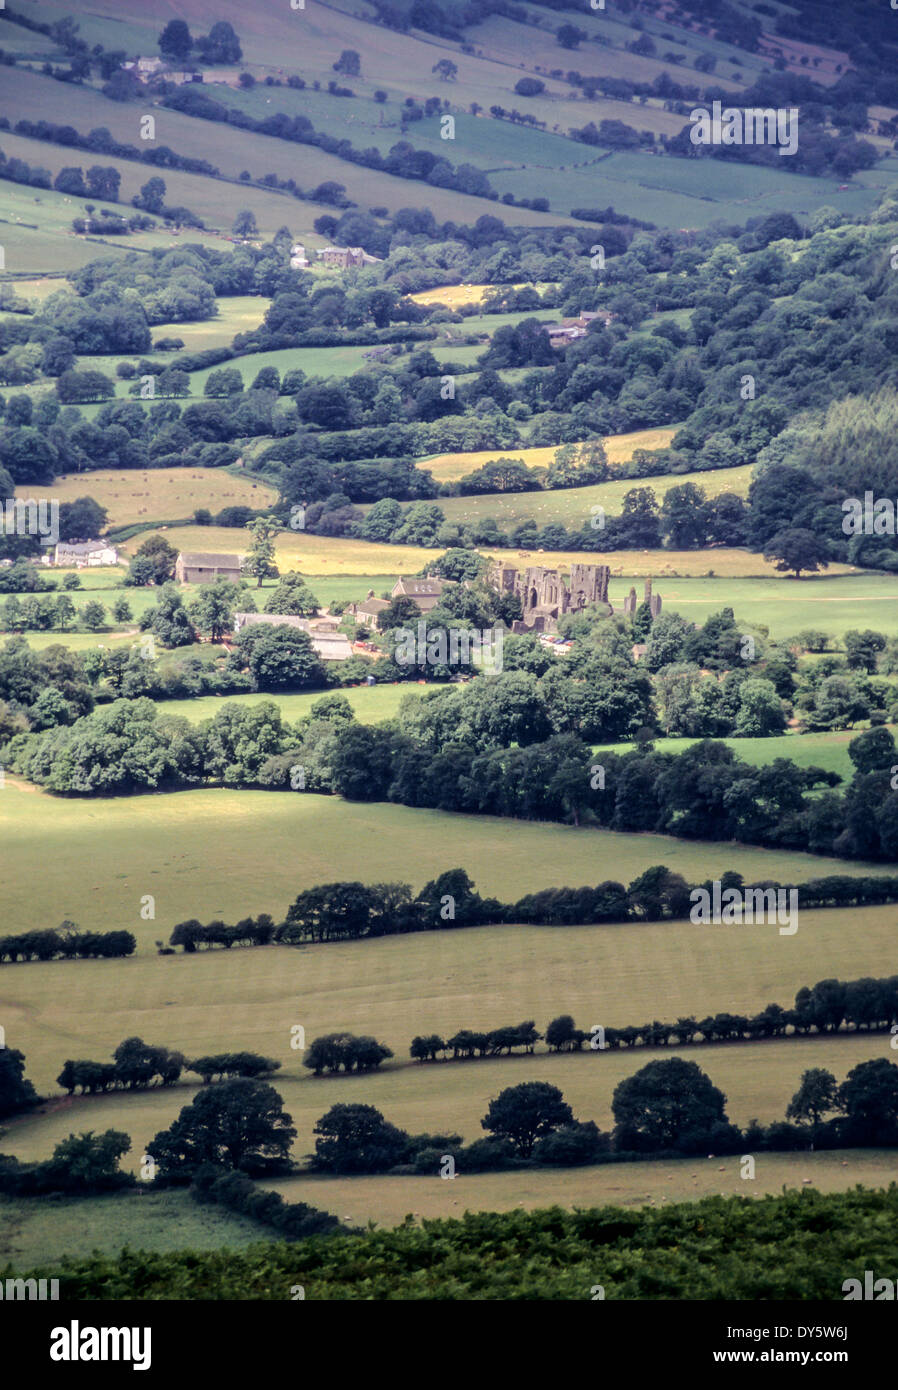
[448, 468]
[833, 602]
[327, 555]
[132, 495]
[827, 750]
[370, 703]
[573, 506]
[226, 852]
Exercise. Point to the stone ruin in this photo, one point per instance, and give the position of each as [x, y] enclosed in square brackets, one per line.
[653, 601]
[545, 597]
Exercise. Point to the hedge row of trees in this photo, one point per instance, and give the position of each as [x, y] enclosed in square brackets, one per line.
[349, 911]
[67, 944]
[865, 1005]
[291, 1220]
[345, 1052]
[667, 1108]
[138, 1065]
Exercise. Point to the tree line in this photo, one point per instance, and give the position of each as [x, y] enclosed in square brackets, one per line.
[138, 1065]
[68, 943]
[866, 1005]
[351, 911]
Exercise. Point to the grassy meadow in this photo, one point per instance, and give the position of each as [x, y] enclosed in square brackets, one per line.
[35, 1231]
[572, 507]
[370, 703]
[222, 852]
[828, 750]
[136, 495]
[448, 468]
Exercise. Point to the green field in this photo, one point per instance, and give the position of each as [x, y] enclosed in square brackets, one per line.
[827, 750]
[38, 1230]
[36, 224]
[572, 507]
[224, 852]
[675, 192]
[830, 602]
[371, 703]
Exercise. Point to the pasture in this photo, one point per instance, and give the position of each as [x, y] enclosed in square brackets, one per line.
[371, 703]
[36, 226]
[448, 468]
[833, 602]
[387, 1200]
[134, 495]
[38, 1231]
[231, 150]
[225, 852]
[216, 201]
[827, 750]
[572, 507]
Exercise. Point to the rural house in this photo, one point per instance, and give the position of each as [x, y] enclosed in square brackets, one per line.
[85, 553]
[424, 592]
[200, 567]
[368, 612]
[346, 256]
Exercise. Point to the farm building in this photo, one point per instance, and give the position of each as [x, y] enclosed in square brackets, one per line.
[346, 256]
[85, 553]
[369, 611]
[329, 644]
[200, 567]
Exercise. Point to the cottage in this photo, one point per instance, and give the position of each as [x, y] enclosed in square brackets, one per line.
[85, 554]
[347, 256]
[368, 612]
[200, 567]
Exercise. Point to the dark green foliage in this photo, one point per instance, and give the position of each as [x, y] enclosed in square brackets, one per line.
[732, 1248]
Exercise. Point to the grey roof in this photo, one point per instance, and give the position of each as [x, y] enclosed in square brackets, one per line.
[83, 547]
[202, 559]
[372, 605]
[412, 585]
